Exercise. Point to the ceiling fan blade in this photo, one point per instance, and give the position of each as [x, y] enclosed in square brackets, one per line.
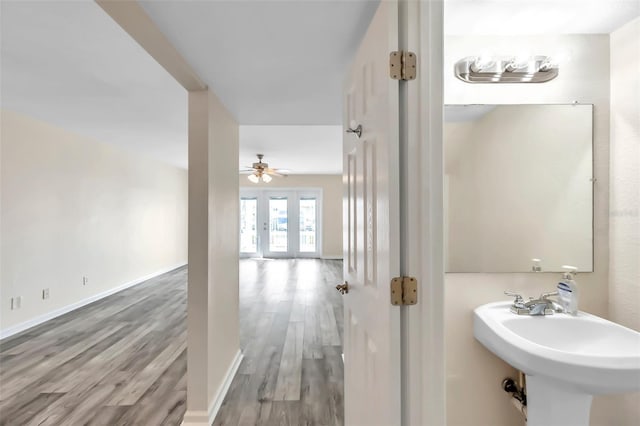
[274, 173]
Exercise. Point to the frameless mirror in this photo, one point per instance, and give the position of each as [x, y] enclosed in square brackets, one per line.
[518, 187]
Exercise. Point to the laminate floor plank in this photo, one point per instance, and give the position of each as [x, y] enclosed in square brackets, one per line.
[294, 375]
[67, 370]
[290, 371]
[121, 361]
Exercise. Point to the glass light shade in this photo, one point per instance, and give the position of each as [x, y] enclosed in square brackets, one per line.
[266, 178]
[253, 178]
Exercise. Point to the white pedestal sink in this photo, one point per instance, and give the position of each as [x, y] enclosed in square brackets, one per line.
[567, 359]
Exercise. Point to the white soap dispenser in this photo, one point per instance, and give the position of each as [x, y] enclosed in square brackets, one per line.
[568, 290]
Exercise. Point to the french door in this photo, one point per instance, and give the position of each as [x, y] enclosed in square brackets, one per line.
[280, 223]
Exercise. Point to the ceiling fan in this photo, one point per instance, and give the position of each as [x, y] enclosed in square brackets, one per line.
[261, 171]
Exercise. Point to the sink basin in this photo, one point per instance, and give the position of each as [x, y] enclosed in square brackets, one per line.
[566, 359]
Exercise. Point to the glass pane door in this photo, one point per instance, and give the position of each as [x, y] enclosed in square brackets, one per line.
[278, 225]
[308, 225]
[281, 223]
[248, 225]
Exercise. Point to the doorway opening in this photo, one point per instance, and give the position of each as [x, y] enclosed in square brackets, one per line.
[281, 223]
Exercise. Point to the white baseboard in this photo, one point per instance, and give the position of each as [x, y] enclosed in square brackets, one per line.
[332, 257]
[215, 404]
[204, 418]
[14, 329]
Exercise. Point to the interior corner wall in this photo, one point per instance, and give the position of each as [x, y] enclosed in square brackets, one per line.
[331, 186]
[213, 302]
[473, 373]
[224, 246]
[624, 232]
[73, 207]
[624, 213]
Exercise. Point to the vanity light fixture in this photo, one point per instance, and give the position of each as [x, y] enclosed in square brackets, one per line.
[506, 69]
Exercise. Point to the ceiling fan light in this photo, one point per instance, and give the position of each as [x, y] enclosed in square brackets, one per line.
[266, 178]
[253, 178]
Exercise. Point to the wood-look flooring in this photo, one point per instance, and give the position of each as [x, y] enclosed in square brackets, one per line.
[291, 334]
[122, 360]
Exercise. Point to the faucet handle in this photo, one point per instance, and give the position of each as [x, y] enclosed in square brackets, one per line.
[547, 295]
[518, 297]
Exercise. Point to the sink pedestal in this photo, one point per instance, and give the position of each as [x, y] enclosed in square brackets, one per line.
[551, 403]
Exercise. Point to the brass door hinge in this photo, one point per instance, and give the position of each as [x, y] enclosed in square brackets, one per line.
[402, 65]
[404, 291]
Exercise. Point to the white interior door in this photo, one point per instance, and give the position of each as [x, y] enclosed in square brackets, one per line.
[371, 229]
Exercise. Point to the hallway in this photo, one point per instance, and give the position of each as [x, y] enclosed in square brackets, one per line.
[122, 360]
[291, 334]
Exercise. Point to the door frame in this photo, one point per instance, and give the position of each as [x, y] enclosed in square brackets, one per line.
[422, 221]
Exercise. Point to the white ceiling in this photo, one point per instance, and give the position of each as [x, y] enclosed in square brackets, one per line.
[271, 62]
[533, 17]
[301, 149]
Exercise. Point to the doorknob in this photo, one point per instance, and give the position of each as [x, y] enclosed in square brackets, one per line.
[357, 130]
[343, 288]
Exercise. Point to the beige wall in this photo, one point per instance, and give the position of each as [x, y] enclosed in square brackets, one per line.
[212, 317]
[473, 373]
[74, 207]
[331, 186]
[624, 214]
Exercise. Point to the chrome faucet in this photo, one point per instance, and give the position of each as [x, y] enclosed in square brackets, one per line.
[540, 306]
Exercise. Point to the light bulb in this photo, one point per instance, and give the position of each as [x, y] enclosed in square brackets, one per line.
[482, 63]
[266, 178]
[548, 63]
[253, 178]
[520, 62]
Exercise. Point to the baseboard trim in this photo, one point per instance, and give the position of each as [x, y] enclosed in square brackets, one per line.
[202, 418]
[332, 257]
[15, 329]
[215, 405]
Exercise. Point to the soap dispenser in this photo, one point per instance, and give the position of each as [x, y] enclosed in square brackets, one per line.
[568, 290]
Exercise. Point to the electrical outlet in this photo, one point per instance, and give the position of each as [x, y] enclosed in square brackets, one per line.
[18, 302]
[45, 293]
[85, 280]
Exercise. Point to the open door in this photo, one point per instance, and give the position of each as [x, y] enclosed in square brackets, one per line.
[371, 228]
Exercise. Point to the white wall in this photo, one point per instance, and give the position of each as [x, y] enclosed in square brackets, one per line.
[624, 214]
[473, 373]
[74, 207]
[331, 186]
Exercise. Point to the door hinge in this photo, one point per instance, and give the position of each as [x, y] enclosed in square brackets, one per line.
[404, 291]
[402, 65]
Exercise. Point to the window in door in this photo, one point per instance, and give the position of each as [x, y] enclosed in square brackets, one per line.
[278, 224]
[308, 226]
[248, 225]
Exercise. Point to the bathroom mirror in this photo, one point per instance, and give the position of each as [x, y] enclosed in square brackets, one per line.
[518, 186]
